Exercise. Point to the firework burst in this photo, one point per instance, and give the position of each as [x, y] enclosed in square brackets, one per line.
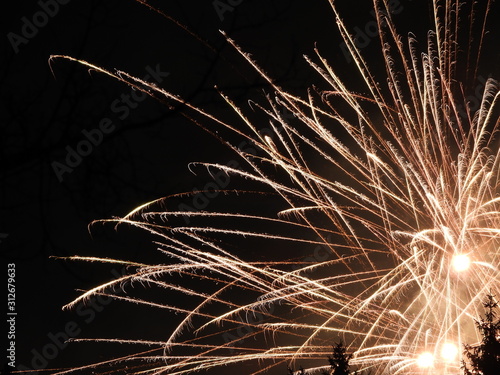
[405, 206]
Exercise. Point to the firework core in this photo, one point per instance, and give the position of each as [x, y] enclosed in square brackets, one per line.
[425, 360]
[461, 262]
[449, 352]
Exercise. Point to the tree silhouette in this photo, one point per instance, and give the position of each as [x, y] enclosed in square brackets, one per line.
[292, 371]
[339, 361]
[484, 359]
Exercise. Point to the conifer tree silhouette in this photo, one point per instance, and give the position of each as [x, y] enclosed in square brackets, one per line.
[484, 359]
[339, 361]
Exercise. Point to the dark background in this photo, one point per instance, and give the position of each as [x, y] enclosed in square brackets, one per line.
[44, 106]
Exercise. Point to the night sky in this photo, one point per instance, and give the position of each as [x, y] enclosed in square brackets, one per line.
[141, 147]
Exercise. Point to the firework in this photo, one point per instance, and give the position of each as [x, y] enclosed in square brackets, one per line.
[405, 206]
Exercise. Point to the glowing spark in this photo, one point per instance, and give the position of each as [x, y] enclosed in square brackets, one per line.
[449, 352]
[425, 360]
[461, 262]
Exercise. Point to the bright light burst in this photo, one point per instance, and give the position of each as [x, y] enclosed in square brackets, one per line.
[425, 360]
[461, 262]
[449, 352]
[406, 202]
